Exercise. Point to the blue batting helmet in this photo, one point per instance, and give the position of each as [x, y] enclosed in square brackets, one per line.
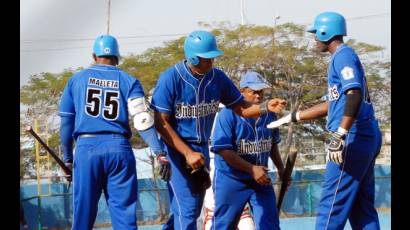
[106, 45]
[200, 44]
[327, 25]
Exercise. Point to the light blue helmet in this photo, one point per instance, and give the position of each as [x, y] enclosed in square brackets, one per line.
[327, 25]
[106, 45]
[200, 44]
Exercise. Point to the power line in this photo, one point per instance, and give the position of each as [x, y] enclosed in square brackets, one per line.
[92, 39]
[83, 47]
[144, 36]
[359, 17]
[369, 16]
[168, 35]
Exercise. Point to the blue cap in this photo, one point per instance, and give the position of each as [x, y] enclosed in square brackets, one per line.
[254, 81]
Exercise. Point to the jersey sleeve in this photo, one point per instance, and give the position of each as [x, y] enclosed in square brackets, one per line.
[136, 89]
[67, 107]
[230, 93]
[222, 137]
[66, 137]
[151, 137]
[163, 96]
[347, 67]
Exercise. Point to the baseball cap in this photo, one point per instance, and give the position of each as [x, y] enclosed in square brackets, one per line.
[254, 81]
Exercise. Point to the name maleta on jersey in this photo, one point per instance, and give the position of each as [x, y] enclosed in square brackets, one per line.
[103, 83]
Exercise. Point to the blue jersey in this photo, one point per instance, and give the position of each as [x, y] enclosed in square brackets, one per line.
[193, 102]
[248, 137]
[97, 97]
[345, 72]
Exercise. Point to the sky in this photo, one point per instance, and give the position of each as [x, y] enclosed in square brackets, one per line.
[57, 35]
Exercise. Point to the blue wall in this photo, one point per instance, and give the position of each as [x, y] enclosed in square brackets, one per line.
[303, 196]
[300, 200]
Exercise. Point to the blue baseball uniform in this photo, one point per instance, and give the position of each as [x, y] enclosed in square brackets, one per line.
[94, 103]
[348, 189]
[233, 188]
[192, 103]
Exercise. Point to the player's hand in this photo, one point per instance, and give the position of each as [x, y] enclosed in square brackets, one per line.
[334, 147]
[165, 166]
[195, 160]
[284, 120]
[69, 165]
[276, 105]
[260, 174]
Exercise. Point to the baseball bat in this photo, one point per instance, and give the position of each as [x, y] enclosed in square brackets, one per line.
[290, 162]
[66, 170]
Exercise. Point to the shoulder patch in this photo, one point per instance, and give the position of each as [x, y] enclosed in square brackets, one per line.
[347, 73]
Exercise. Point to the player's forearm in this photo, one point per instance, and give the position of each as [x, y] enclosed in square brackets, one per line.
[276, 159]
[66, 138]
[236, 161]
[169, 135]
[150, 137]
[247, 109]
[250, 110]
[316, 111]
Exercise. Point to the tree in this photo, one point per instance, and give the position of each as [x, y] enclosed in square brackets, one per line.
[147, 66]
[40, 99]
[378, 76]
[286, 61]
[297, 71]
[285, 55]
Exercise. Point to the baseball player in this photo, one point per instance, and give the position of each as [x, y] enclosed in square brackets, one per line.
[243, 147]
[94, 110]
[185, 101]
[245, 221]
[355, 139]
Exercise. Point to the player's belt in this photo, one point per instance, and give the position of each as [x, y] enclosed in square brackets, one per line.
[96, 134]
[87, 135]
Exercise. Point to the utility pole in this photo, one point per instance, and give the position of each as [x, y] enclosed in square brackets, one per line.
[274, 20]
[274, 24]
[242, 14]
[108, 16]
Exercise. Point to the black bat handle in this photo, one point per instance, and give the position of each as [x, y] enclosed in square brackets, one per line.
[66, 170]
[290, 162]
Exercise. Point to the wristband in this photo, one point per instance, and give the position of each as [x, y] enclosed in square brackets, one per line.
[342, 131]
[295, 116]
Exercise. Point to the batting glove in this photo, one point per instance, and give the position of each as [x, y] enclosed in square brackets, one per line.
[165, 167]
[69, 165]
[335, 147]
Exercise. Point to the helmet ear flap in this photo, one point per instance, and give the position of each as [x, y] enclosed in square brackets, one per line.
[194, 60]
